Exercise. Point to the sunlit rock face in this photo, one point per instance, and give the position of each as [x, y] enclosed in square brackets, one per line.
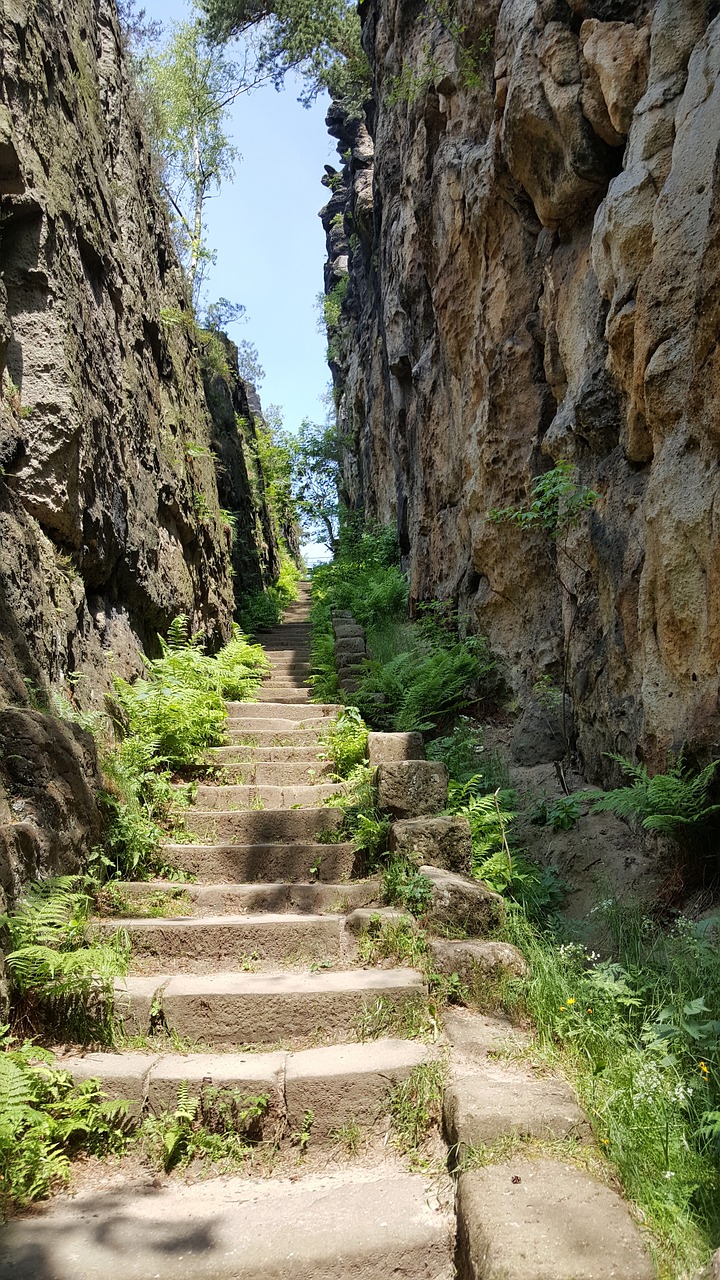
[533, 238]
[109, 520]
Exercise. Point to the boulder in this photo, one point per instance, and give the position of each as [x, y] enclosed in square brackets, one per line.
[412, 788]
[388, 747]
[472, 961]
[461, 904]
[443, 841]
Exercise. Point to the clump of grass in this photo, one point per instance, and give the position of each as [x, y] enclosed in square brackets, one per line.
[416, 1106]
[416, 1019]
[399, 941]
[348, 1137]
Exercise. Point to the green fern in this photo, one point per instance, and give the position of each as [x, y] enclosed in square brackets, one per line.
[60, 975]
[45, 1119]
[666, 801]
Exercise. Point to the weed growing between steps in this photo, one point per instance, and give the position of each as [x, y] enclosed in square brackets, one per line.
[219, 1126]
[416, 673]
[416, 1107]
[345, 742]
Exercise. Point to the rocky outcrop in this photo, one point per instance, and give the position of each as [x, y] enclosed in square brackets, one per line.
[529, 220]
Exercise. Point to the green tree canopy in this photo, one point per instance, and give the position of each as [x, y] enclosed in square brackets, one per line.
[316, 481]
[191, 84]
[320, 39]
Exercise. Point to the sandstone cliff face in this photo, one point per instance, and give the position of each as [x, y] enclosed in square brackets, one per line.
[110, 523]
[110, 520]
[533, 241]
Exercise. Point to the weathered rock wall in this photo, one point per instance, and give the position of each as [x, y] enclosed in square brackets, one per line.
[533, 240]
[110, 522]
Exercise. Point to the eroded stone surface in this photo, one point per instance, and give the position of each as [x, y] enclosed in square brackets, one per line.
[440, 841]
[542, 1220]
[462, 905]
[387, 747]
[473, 961]
[412, 788]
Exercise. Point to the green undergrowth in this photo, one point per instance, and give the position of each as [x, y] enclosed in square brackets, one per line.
[345, 742]
[263, 610]
[61, 971]
[164, 723]
[46, 1120]
[639, 1037]
[417, 672]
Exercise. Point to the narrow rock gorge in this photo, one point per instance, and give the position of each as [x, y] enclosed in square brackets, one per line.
[524, 237]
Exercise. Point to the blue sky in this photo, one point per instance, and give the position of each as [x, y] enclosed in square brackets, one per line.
[269, 241]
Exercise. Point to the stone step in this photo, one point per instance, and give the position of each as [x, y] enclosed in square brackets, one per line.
[301, 861]
[339, 1084]
[262, 826]
[542, 1220]
[261, 1008]
[243, 796]
[350, 1223]
[278, 773]
[226, 898]
[233, 938]
[294, 695]
[275, 755]
[284, 684]
[279, 726]
[285, 710]
[274, 736]
[295, 657]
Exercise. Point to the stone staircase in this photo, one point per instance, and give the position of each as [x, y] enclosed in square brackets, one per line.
[262, 990]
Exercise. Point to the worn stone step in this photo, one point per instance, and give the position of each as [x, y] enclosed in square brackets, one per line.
[261, 1008]
[272, 797]
[278, 773]
[350, 1223]
[256, 733]
[262, 826]
[542, 1220]
[275, 755]
[284, 684]
[294, 695]
[225, 898]
[289, 654]
[493, 1101]
[285, 710]
[293, 861]
[279, 725]
[232, 938]
[339, 1084]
